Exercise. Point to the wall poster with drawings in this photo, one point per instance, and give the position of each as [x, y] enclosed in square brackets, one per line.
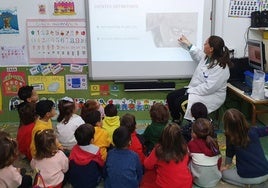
[56, 41]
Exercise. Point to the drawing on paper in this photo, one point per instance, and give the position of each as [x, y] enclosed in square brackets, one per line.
[9, 21]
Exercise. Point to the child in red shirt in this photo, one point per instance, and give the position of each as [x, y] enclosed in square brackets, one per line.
[167, 164]
[129, 121]
[27, 117]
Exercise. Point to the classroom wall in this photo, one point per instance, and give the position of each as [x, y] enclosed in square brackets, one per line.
[231, 29]
[94, 89]
[137, 103]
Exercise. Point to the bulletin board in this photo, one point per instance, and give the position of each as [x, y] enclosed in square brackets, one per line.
[22, 21]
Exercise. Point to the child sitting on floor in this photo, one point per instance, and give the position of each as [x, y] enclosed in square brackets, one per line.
[129, 121]
[49, 160]
[159, 114]
[90, 105]
[11, 177]
[68, 122]
[198, 110]
[111, 120]
[167, 164]
[123, 167]
[45, 110]
[243, 142]
[27, 117]
[85, 159]
[101, 136]
[205, 155]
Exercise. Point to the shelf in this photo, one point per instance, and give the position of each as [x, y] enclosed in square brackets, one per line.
[259, 28]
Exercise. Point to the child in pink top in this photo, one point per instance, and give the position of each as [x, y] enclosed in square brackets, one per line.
[9, 175]
[51, 162]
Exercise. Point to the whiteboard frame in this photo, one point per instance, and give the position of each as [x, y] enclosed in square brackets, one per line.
[128, 70]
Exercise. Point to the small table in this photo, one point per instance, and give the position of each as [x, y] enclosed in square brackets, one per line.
[254, 103]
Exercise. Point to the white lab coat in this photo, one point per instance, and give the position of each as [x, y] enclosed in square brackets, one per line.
[207, 85]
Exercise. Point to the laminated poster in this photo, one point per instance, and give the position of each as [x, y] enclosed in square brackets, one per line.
[9, 21]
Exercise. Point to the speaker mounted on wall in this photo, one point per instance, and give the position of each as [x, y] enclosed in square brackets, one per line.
[256, 19]
[264, 18]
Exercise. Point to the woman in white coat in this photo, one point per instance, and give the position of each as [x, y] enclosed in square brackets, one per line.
[209, 81]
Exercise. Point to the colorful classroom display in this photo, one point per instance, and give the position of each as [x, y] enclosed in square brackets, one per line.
[64, 7]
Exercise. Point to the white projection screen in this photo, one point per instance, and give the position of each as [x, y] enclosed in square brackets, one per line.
[137, 39]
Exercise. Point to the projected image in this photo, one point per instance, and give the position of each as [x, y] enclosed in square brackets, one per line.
[167, 27]
[134, 39]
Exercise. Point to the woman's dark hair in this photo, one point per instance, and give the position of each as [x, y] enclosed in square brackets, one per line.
[45, 144]
[27, 113]
[66, 109]
[159, 113]
[172, 145]
[121, 137]
[91, 117]
[110, 110]
[8, 150]
[236, 127]
[84, 134]
[129, 121]
[220, 52]
[203, 129]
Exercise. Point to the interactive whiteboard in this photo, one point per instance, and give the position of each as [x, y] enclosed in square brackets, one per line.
[137, 39]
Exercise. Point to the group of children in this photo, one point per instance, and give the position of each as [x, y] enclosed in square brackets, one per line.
[99, 145]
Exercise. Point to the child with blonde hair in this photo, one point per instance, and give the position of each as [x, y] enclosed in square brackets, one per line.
[49, 160]
[205, 155]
